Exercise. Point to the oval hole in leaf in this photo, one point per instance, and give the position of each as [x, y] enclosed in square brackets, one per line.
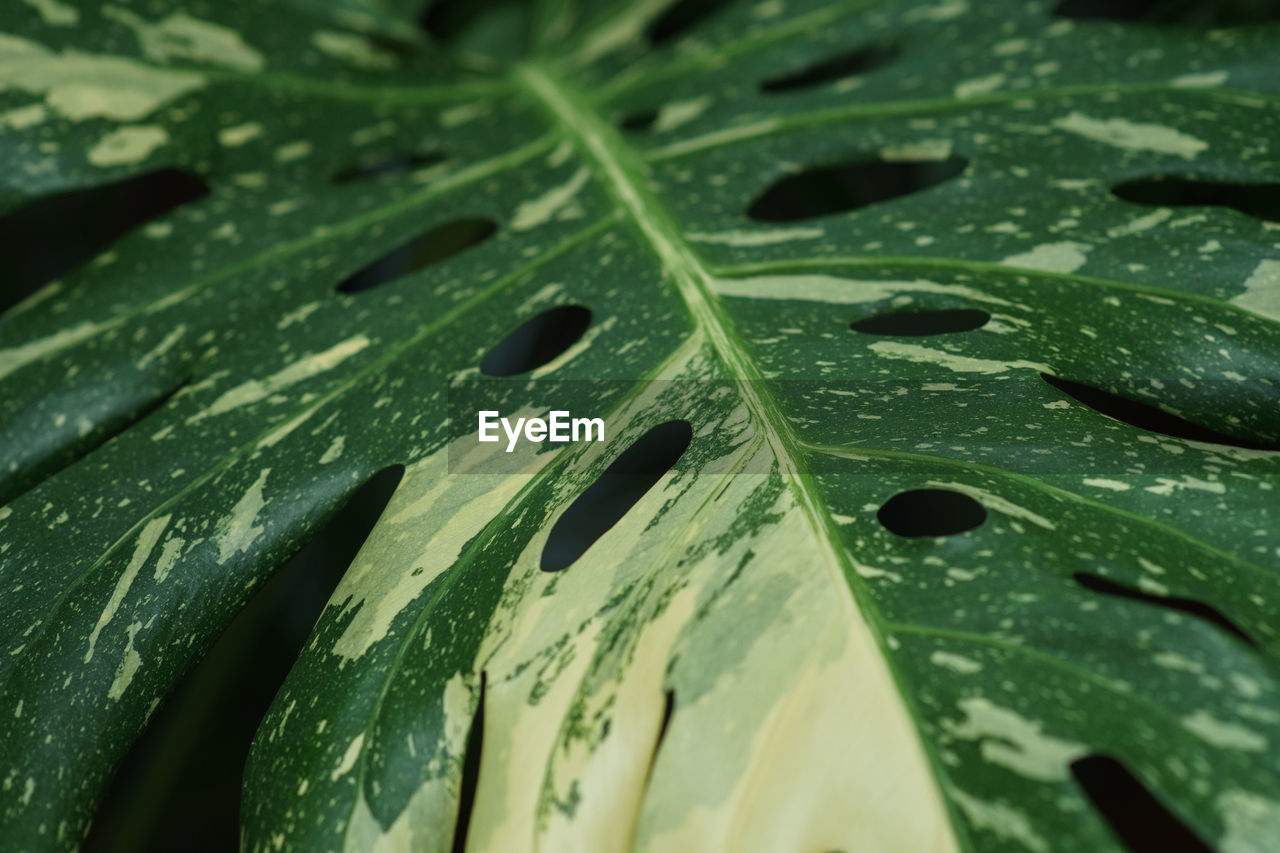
[1260, 200]
[824, 190]
[608, 499]
[1196, 14]
[931, 512]
[921, 323]
[376, 167]
[638, 121]
[470, 771]
[1147, 417]
[182, 778]
[51, 236]
[859, 61]
[439, 244]
[1190, 606]
[680, 17]
[1137, 818]
[537, 341]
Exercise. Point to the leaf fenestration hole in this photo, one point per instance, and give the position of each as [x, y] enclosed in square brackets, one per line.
[921, 323]
[603, 504]
[1189, 606]
[826, 190]
[1139, 820]
[439, 244]
[537, 341]
[470, 771]
[1145, 416]
[1195, 14]
[377, 167]
[182, 778]
[681, 17]
[859, 61]
[668, 708]
[1260, 200]
[51, 236]
[930, 512]
[638, 121]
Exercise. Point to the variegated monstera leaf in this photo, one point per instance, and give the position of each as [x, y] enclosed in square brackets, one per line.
[900, 264]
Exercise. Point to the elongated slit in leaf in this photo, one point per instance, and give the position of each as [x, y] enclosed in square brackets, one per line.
[537, 341]
[931, 512]
[181, 778]
[52, 236]
[14, 485]
[439, 244]
[668, 708]
[1148, 417]
[1193, 14]
[1189, 606]
[1258, 200]
[859, 61]
[636, 470]
[681, 17]
[921, 323]
[844, 187]
[380, 166]
[1138, 819]
[470, 771]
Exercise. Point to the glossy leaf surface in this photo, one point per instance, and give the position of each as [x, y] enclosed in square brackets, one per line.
[748, 658]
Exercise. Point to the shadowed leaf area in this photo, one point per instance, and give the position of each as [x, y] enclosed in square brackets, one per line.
[1198, 14]
[53, 235]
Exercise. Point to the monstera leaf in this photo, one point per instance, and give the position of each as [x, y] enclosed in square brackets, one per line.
[937, 346]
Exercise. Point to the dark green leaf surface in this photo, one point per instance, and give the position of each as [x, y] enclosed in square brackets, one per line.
[178, 415]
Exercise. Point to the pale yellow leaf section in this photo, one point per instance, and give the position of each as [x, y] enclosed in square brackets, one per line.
[433, 514]
[81, 86]
[810, 699]
[823, 769]
[776, 678]
[184, 38]
[713, 586]
[609, 675]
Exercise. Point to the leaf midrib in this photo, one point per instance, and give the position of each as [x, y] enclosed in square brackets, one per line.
[618, 170]
[621, 172]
